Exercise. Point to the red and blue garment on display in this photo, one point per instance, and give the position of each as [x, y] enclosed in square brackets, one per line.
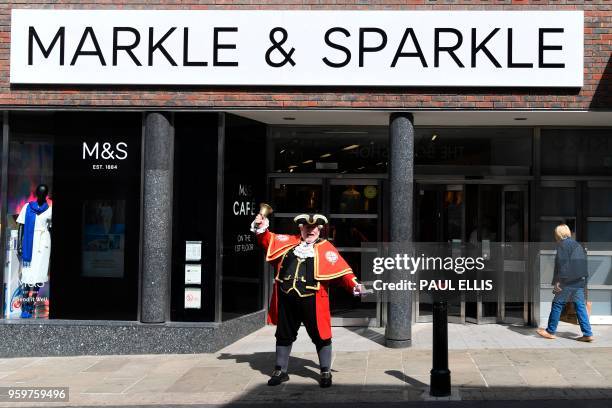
[28, 230]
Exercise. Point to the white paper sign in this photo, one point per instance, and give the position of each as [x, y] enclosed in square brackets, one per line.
[509, 48]
[193, 274]
[193, 250]
[193, 298]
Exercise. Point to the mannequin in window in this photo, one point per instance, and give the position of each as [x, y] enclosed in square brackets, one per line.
[34, 248]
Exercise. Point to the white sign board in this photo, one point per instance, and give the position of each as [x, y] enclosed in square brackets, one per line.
[526, 48]
[193, 251]
[193, 274]
[193, 298]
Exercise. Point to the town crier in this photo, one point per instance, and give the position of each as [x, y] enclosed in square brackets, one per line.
[305, 266]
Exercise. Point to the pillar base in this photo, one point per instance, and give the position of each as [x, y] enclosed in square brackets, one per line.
[440, 381]
[398, 343]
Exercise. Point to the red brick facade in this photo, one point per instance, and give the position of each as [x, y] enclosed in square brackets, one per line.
[594, 95]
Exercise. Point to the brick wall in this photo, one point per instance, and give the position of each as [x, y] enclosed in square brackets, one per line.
[594, 95]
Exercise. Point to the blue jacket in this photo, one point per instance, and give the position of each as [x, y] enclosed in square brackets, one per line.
[570, 263]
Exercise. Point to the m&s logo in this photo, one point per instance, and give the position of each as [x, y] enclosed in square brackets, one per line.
[105, 151]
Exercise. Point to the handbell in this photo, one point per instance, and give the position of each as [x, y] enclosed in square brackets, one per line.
[265, 210]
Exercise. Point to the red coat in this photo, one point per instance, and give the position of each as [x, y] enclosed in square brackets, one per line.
[328, 266]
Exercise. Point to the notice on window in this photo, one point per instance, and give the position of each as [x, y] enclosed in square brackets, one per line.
[193, 274]
[193, 251]
[193, 298]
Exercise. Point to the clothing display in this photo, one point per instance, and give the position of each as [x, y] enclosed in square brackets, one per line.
[36, 242]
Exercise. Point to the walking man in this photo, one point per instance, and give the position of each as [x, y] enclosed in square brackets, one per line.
[570, 281]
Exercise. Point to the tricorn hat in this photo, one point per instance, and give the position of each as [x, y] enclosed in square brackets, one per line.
[311, 219]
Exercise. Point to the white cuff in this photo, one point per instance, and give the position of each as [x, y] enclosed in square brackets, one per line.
[262, 227]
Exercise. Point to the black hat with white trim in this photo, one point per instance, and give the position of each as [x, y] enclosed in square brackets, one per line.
[311, 219]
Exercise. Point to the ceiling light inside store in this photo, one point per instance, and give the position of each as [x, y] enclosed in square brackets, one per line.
[434, 137]
[307, 161]
[361, 168]
[325, 155]
[351, 147]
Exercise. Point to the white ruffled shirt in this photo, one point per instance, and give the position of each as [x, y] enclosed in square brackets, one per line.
[304, 250]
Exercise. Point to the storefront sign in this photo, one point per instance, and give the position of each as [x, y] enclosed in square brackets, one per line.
[542, 48]
[105, 155]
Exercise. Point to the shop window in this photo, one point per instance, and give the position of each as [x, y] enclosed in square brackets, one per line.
[557, 205]
[599, 231]
[297, 198]
[560, 201]
[4, 238]
[73, 216]
[473, 151]
[599, 202]
[354, 199]
[330, 150]
[244, 186]
[598, 212]
[576, 151]
[193, 282]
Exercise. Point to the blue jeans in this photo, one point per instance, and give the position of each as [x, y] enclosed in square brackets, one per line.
[569, 294]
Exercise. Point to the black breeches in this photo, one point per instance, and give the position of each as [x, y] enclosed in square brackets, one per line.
[292, 312]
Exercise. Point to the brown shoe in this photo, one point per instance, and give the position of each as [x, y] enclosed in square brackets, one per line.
[586, 339]
[545, 334]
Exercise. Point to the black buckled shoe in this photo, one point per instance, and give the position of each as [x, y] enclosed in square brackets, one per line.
[326, 379]
[278, 377]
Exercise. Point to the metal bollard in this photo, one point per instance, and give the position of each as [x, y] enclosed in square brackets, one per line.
[440, 379]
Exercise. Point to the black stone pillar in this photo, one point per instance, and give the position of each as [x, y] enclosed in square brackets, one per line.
[157, 217]
[398, 332]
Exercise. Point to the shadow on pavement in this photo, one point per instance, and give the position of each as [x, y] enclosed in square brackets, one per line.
[407, 379]
[264, 363]
[531, 332]
[367, 333]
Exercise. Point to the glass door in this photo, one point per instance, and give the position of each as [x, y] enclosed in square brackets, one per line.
[514, 279]
[440, 218]
[497, 224]
[479, 220]
[355, 218]
[484, 226]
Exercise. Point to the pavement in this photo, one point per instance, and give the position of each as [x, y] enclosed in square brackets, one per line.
[487, 363]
